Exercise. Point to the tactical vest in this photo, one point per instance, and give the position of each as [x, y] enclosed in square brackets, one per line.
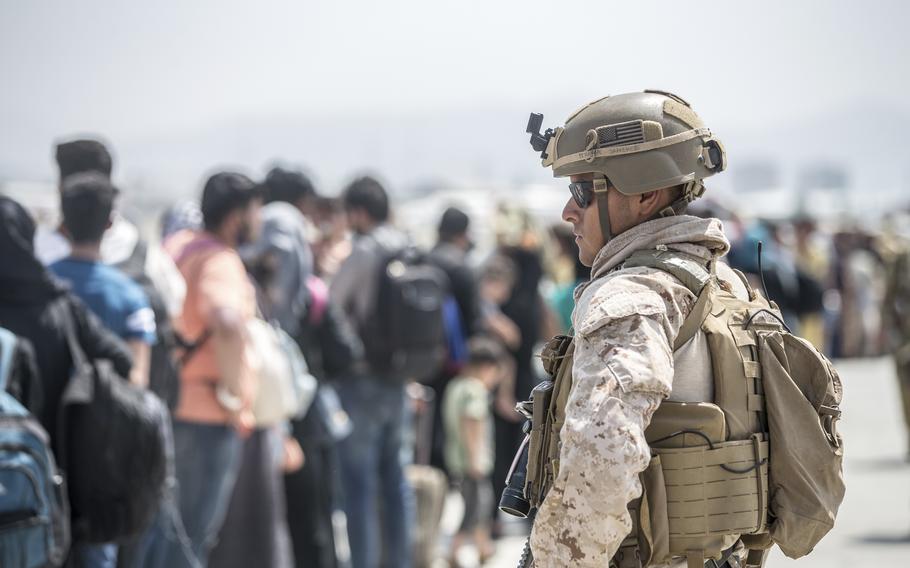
[714, 477]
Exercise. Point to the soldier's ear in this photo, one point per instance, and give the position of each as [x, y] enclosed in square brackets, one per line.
[649, 203]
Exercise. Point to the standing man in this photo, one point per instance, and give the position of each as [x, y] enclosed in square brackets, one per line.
[451, 255]
[372, 461]
[122, 242]
[634, 162]
[218, 382]
[87, 202]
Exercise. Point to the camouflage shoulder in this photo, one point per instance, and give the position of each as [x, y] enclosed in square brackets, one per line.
[638, 291]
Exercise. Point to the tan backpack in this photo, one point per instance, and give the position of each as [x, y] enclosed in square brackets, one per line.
[761, 463]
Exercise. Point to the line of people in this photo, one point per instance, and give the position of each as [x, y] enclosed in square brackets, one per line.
[330, 481]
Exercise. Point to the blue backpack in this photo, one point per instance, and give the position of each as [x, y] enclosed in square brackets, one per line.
[456, 341]
[34, 515]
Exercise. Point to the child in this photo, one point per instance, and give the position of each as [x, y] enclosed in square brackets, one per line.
[469, 441]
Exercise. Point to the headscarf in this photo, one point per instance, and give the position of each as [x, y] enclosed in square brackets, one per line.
[22, 276]
[182, 215]
[282, 261]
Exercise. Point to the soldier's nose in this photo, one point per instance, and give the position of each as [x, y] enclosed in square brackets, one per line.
[570, 213]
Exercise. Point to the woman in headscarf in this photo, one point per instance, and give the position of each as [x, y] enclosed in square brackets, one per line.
[255, 531]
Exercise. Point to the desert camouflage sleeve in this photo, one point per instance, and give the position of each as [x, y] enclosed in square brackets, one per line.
[623, 369]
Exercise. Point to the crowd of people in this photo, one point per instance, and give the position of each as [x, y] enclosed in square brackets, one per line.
[324, 483]
[332, 481]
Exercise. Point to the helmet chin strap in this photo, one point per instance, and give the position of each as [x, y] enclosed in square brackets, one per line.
[601, 188]
[692, 190]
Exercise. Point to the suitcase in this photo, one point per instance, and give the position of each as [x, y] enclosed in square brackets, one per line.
[430, 484]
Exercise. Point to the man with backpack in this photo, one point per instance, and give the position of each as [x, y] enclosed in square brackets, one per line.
[652, 444]
[451, 254]
[95, 419]
[87, 203]
[462, 309]
[374, 398]
[124, 247]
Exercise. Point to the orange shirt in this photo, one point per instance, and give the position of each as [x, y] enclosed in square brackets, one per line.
[215, 279]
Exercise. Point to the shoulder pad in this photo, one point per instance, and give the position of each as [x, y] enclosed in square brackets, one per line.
[688, 269]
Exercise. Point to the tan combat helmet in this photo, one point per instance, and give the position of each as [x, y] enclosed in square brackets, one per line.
[640, 142]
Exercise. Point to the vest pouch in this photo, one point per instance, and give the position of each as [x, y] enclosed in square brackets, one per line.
[802, 394]
[552, 354]
[556, 416]
[714, 493]
[652, 526]
[538, 443]
[685, 424]
[537, 458]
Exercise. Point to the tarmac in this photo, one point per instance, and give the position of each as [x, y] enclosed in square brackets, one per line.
[873, 525]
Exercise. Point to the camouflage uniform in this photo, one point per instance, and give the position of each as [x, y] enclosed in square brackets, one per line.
[626, 322]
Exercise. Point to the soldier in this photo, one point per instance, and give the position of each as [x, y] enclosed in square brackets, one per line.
[652, 445]
[635, 161]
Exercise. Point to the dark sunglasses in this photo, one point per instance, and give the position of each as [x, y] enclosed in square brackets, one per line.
[582, 192]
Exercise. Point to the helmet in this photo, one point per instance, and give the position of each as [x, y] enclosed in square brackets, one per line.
[639, 141]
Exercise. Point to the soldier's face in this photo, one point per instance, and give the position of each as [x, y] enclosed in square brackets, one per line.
[586, 221]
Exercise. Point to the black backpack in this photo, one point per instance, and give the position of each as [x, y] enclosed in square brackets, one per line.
[405, 337]
[328, 342]
[113, 439]
[164, 364]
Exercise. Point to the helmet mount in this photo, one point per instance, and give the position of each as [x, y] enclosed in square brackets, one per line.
[539, 141]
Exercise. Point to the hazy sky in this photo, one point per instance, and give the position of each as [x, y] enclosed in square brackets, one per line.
[143, 69]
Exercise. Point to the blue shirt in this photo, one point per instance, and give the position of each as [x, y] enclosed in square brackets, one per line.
[118, 302]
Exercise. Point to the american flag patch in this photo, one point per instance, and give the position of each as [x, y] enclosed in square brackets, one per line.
[621, 134]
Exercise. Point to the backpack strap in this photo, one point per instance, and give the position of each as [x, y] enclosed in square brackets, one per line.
[755, 557]
[80, 388]
[190, 348]
[688, 269]
[696, 317]
[7, 349]
[692, 271]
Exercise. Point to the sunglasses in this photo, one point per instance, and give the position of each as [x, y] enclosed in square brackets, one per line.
[582, 192]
